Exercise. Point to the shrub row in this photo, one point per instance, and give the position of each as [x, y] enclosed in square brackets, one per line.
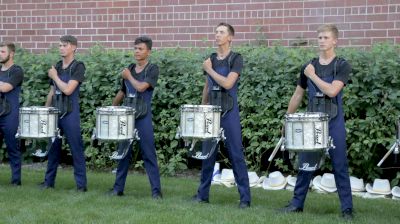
[372, 98]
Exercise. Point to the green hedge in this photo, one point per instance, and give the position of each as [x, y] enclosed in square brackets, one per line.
[372, 98]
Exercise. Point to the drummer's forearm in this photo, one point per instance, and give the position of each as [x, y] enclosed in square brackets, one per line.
[118, 98]
[295, 101]
[49, 98]
[204, 98]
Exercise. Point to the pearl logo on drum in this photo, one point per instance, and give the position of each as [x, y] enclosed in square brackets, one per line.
[43, 126]
[122, 127]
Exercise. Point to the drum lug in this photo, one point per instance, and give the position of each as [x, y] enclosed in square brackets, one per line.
[221, 135]
[93, 134]
[136, 134]
[178, 133]
[331, 143]
[18, 134]
[58, 134]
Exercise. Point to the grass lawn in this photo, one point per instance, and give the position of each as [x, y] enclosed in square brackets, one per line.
[29, 204]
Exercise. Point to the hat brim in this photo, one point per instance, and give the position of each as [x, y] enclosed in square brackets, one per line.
[373, 196]
[266, 185]
[317, 183]
[291, 180]
[396, 191]
[371, 190]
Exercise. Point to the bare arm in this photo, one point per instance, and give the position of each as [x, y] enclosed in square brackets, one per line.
[226, 82]
[5, 87]
[49, 97]
[296, 99]
[118, 98]
[204, 98]
[329, 89]
[66, 87]
[138, 85]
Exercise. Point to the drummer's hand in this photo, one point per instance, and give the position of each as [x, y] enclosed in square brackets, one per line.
[52, 73]
[207, 65]
[126, 73]
[309, 70]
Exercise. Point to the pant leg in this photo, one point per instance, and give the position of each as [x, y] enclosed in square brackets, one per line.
[9, 129]
[123, 166]
[72, 132]
[207, 168]
[148, 151]
[301, 189]
[233, 133]
[340, 166]
[53, 158]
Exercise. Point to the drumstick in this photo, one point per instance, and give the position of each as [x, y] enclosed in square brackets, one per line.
[387, 154]
[276, 149]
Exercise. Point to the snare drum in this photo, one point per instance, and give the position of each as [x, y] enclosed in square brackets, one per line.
[38, 122]
[307, 131]
[200, 121]
[115, 123]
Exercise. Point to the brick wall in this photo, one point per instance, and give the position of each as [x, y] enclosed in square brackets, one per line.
[38, 24]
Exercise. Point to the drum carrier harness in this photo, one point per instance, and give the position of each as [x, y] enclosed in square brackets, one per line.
[219, 96]
[61, 101]
[5, 107]
[135, 99]
[321, 102]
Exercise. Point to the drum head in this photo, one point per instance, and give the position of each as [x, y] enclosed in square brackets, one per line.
[200, 108]
[38, 110]
[306, 116]
[115, 110]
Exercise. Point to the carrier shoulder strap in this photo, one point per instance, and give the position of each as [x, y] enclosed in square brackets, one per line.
[146, 69]
[231, 59]
[71, 68]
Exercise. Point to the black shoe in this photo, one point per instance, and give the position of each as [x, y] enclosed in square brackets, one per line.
[244, 204]
[81, 189]
[157, 196]
[44, 186]
[199, 200]
[347, 214]
[290, 208]
[113, 192]
[16, 183]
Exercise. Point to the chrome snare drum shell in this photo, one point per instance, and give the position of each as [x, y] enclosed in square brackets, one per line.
[115, 123]
[38, 122]
[200, 121]
[307, 131]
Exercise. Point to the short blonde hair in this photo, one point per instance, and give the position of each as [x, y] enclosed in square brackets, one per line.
[329, 28]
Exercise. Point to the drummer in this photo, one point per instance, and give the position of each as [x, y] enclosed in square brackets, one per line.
[222, 70]
[325, 78]
[11, 77]
[65, 80]
[138, 82]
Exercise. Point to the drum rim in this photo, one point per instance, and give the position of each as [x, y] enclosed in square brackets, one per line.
[115, 109]
[38, 108]
[191, 108]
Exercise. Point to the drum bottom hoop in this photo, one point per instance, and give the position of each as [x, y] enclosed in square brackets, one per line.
[198, 137]
[113, 139]
[35, 136]
[305, 150]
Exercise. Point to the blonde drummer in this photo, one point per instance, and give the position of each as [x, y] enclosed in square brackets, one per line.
[324, 77]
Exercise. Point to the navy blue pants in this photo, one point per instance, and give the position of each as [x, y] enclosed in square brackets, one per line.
[70, 127]
[9, 127]
[231, 125]
[340, 170]
[148, 151]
